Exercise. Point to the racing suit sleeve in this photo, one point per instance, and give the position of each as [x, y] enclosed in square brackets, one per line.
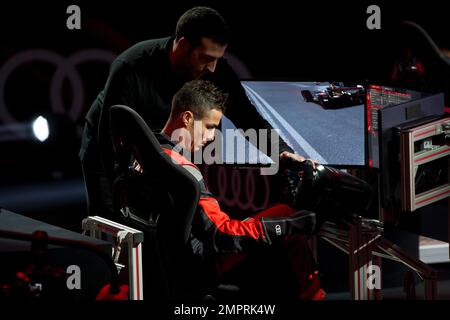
[220, 233]
[224, 234]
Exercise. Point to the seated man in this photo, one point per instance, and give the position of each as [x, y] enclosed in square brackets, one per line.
[269, 245]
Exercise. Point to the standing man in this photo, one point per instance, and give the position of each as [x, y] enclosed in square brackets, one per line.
[146, 76]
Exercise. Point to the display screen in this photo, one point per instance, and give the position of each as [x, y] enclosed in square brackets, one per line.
[318, 120]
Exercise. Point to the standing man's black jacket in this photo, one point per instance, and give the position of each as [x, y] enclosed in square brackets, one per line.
[142, 78]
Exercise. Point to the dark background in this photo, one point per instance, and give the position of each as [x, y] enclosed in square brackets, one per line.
[299, 39]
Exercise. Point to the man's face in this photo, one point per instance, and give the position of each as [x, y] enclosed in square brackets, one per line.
[202, 131]
[201, 59]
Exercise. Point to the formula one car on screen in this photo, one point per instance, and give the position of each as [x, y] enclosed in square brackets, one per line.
[335, 95]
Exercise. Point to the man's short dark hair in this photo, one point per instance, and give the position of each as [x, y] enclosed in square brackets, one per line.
[200, 22]
[198, 96]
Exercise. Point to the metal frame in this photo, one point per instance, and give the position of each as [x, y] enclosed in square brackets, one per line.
[365, 245]
[410, 161]
[121, 234]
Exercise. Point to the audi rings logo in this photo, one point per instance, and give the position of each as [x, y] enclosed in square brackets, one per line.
[66, 69]
[240, 188]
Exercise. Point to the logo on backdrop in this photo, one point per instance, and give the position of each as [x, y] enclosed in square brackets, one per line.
[240, 189]
[65, 69]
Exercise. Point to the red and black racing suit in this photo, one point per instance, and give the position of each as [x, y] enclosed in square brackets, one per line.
[231, 241]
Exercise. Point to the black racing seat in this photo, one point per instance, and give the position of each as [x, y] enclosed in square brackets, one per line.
[161, 200]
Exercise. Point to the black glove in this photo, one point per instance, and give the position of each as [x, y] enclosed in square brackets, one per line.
[295, 177]
[300, 222]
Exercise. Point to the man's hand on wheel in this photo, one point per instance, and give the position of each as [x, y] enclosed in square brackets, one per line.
[297, 158]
